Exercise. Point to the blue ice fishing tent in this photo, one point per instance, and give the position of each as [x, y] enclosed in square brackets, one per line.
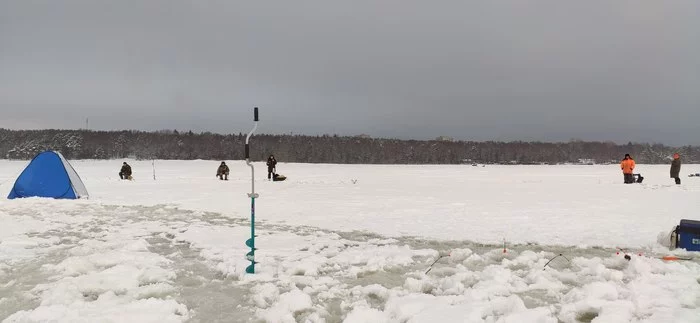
[49, 175]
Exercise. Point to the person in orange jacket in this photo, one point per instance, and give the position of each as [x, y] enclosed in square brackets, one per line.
[627, 166]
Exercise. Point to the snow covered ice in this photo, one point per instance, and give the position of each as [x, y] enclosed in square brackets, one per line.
[350, 243]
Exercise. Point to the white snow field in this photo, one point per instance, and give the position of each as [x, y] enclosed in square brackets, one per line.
[351, 243]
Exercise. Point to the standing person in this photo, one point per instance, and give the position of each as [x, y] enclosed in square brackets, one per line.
[223, 171]
[271, 166]
[125, 172]
[627, 166]
[676, 168]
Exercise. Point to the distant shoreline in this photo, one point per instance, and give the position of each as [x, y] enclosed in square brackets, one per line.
[175, 145]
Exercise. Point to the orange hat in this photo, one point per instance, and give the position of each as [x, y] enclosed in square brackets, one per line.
[676, 156]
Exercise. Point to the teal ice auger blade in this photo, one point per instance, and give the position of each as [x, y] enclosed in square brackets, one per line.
[250, 243]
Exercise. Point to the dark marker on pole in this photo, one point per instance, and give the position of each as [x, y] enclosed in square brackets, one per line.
[251, 242]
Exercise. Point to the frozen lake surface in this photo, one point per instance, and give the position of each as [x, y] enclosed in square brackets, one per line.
[351, 243]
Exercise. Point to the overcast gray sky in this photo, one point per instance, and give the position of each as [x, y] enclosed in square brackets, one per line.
[622, 70]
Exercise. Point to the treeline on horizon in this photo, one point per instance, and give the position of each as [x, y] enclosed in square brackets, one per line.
[171, 144]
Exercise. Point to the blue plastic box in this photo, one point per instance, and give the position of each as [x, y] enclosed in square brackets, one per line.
[688, 235]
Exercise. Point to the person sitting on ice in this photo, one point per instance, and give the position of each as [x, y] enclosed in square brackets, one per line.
[627, 166]
[125, 172]
[223, 171]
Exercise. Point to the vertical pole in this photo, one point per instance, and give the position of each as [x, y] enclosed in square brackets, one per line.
[251, 242]
[154, 169]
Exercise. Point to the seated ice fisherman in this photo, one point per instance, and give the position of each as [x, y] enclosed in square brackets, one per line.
[125, 172]
[222, 172]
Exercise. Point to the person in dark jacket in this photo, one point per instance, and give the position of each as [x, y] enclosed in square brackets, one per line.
[271, 167]
[222, 172]
[676, 168]
[125, 172]
[627, 166]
